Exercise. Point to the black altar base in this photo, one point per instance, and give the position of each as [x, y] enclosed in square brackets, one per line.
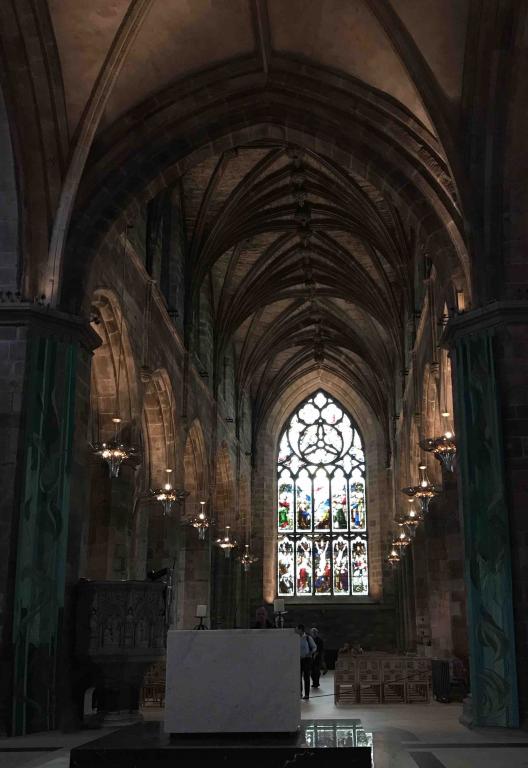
[325, 743]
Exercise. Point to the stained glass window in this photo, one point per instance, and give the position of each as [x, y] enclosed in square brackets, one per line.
[322, 508]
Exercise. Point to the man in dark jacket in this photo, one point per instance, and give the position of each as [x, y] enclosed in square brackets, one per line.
[317, 660]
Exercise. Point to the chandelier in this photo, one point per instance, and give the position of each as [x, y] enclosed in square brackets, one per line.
[226, 542]
[443, 447]
[114, 452]
[201, 522]
[424, 491]
[411, 520]
[393, 557]
[167, 495]
[247, 559]
[401, 541]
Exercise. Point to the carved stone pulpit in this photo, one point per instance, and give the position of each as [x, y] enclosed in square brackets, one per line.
[120, 632]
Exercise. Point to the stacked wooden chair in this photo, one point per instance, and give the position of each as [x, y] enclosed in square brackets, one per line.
[380, 678]
[345, 685]
[393, 672]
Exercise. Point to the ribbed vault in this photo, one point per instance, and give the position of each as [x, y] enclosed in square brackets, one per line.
[311, 198]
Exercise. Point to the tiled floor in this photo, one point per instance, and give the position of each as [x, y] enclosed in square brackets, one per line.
[405, 736]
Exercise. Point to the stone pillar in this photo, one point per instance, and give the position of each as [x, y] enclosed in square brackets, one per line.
[491, 377]
[46, 364]
[195, 576]
[224, 589]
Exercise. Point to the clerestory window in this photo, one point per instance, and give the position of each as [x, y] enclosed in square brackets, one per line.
[322, 522]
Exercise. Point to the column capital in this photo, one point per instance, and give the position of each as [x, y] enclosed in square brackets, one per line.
[493, 315]
[46, 321]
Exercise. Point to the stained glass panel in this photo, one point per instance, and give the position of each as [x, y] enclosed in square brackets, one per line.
[339, 501]
[357, 505]
[341, 566]
[322, 566]
[303, 501]
[285, 494]
[304, 566]
[286, 566]
[322, 503]
[359, 566]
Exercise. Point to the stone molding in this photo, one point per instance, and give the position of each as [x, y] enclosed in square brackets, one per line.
[493, 315]
[50, 322]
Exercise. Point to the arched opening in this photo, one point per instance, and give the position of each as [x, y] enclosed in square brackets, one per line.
[322, 505]
[154, 535]
[194, 554]
[113, 393]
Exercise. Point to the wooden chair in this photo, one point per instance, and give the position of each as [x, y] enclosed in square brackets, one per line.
[369, 680]
[418, 680]
[393, 673]
[345, 684]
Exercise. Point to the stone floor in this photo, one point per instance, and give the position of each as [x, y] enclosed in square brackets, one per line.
[404, 736]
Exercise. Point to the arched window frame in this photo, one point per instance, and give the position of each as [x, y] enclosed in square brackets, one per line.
[321, 518]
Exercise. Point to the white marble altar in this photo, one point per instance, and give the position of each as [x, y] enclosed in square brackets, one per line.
[232, 681]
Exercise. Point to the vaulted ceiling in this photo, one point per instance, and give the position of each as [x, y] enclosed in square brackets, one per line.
[314, 142]
[177, 38]
[306, 266]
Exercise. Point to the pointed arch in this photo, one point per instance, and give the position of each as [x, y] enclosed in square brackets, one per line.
[158, 416]
[196, 468]
[114, 384]
[322, 503]
[224, 496]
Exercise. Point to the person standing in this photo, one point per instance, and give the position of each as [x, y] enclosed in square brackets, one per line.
[318, 660]
[307, 649]
[261, 619]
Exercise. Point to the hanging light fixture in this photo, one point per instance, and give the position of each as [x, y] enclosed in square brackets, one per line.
[167, 495]
[424, 491]
[247, 559]
[411, 519]
[443, 447]
[201, 522]
[114, 452]
[226, 542]
[402, 541]
[393, 557]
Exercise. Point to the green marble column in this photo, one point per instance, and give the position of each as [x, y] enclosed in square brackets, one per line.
[43, 530]
[486, 529]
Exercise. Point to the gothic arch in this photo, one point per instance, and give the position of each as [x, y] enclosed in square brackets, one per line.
[224, 495]
[114, 386]
[158, 410]
[425, 200]
[195, 466]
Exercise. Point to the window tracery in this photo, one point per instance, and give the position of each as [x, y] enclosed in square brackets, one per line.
[321, 517]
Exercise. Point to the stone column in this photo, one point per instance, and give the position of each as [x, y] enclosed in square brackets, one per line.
[195, 576]
[491, 377]
[46, 364]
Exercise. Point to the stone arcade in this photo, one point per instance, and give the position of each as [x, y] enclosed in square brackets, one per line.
[277, 247]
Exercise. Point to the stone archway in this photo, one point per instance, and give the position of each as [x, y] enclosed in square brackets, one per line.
[194, 571]
[155, 538]
[113, 393]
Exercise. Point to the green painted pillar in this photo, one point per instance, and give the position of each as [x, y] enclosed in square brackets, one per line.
[43, 530]
[486, 525]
